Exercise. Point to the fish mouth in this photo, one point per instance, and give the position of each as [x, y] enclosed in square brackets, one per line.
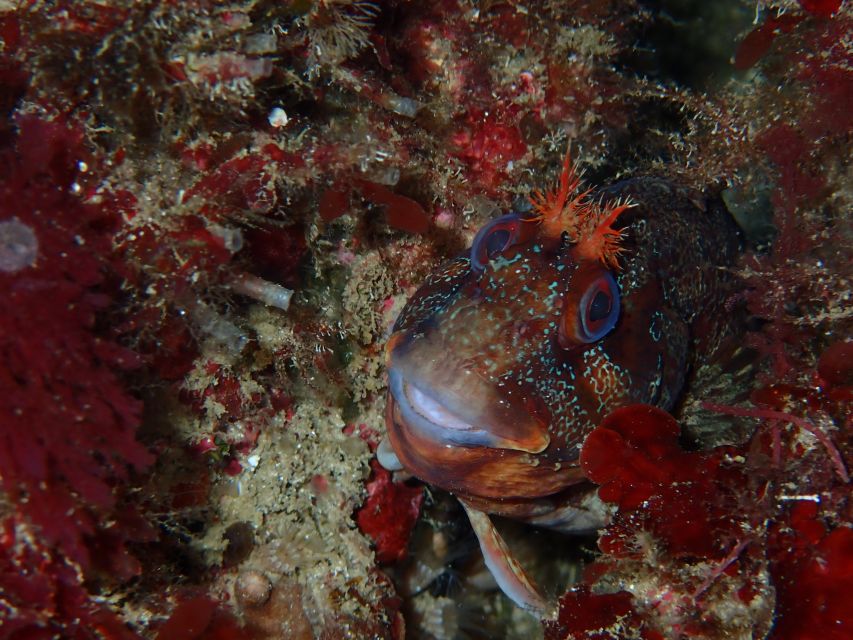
[456, 407]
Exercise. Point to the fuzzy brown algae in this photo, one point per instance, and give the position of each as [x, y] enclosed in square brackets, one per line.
[508, 356]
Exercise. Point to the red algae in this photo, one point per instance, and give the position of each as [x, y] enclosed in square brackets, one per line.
[389, 514]
[821, 8]
[69, 438]
[675, 508]
[769, 414]
[488, 146]
[47, 596]
[813, 574]
[758, 41]
[401, 212]
[676, 496]
[201, 618]
[835, 366]
[646, 440]
[587, 616]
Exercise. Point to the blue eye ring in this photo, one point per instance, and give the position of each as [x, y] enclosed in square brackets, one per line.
[598, 309]
[591, 308]
[493, 238]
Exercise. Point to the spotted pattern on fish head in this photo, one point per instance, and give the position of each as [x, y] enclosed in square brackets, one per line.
[508, 356]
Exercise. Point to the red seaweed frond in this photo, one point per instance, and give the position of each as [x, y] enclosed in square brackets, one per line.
[589, 224]
[771, 415]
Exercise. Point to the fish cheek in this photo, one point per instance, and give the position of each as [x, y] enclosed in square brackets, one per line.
[433, 297]
[652, 342]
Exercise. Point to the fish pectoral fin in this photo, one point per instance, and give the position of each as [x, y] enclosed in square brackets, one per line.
[508, 573]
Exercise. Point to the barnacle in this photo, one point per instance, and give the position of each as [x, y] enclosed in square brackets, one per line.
[337, 30]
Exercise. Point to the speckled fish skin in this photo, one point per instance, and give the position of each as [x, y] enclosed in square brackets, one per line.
[483, 345]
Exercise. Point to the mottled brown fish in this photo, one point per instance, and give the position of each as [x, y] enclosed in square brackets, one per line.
[508, 356]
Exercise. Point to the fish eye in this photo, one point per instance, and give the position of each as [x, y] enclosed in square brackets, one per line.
[599, 308]
[494, 238]
[593, 315]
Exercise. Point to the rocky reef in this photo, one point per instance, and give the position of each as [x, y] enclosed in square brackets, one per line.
[211, 214]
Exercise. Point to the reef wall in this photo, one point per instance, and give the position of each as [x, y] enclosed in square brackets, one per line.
[210, 215]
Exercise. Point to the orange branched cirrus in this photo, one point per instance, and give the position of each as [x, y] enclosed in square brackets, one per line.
[588, 223]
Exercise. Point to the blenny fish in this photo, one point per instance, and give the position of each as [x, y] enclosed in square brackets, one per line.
[509, 355]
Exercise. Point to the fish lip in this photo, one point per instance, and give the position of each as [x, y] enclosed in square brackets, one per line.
[426, 414]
